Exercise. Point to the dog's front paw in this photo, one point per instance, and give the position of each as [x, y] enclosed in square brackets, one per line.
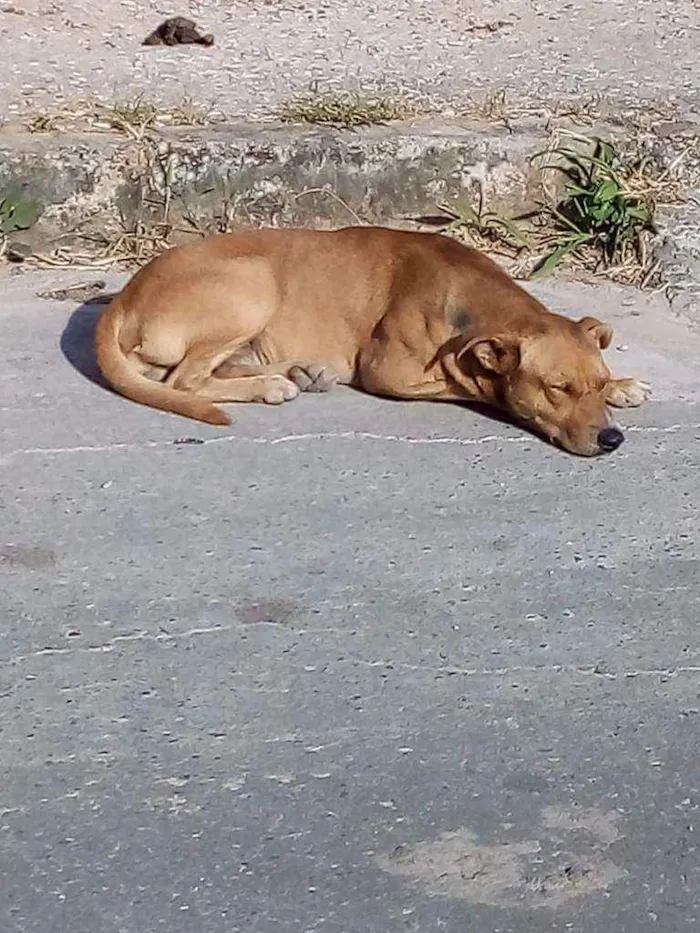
[627, 393]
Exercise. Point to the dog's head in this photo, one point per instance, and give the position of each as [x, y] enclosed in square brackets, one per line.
[552, 379]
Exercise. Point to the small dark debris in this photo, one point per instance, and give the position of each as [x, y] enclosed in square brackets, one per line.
[18, 252]
[488, 28]
[178, 31]
[188, 440]
[432, 220]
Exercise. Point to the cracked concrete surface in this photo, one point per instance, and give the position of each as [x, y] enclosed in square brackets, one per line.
[349, 666]
[444, 54]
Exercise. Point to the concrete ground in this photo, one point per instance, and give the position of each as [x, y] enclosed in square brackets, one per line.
[349, 666]
[445, 53]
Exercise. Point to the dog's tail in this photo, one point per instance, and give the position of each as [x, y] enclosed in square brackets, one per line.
[125, 377]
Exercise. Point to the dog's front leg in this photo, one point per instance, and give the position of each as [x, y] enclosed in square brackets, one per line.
[627, 393]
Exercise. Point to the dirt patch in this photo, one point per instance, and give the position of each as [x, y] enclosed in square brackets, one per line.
[457, 866]
[30, 558]
[594, 821]
[268, 611]
[516, 874]
[576, 879]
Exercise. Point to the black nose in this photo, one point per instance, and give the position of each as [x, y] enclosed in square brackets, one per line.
[610, 439]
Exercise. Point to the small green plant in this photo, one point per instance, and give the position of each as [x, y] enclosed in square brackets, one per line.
[606, 208]
[17, 212]
[482, 225]
[345, 110]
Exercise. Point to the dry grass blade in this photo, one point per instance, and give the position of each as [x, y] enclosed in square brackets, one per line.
[487, 230]
[133, 118]
[328, 192]
[129, 247]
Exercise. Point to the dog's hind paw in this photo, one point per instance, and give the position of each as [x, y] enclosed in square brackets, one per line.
[627, 393]
[313, 378]
[279, 390]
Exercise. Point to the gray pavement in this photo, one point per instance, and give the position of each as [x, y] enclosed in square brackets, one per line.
[349, 666]
[443, 53]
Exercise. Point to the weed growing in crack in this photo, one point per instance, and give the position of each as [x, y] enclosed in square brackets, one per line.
[345, 110]
[487, 228]
[605, 213]
[602, 222]
[133, 117]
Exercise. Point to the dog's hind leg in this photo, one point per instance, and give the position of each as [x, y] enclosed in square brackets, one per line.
[200, 361]
[270, 387]
[244, 380]
[309, 377]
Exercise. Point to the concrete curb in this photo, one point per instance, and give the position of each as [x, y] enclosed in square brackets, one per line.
[248, 174]
[679, 254]
[267, 175]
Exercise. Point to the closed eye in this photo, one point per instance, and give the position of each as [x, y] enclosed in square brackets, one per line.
[562, 387]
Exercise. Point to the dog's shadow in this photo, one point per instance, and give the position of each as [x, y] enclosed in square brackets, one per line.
[493, 414]
[78, 341]
[497, 417]
[78, 347]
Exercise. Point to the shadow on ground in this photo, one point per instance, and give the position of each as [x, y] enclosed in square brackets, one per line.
[78, 342]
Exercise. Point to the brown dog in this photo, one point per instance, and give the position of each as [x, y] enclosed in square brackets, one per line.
[263, 315]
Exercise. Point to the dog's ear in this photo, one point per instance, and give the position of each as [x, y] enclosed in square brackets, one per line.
[601, 333]
[499, 355]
